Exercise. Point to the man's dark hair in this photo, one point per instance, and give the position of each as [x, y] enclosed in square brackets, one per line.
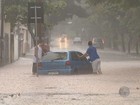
[90, 43]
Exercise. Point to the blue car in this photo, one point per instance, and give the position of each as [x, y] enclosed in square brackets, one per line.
[66, 62]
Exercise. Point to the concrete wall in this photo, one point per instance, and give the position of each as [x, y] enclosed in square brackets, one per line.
[16, 47]
[7, 36]
[16, 44]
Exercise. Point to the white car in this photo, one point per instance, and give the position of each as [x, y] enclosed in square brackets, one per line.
[77, 40]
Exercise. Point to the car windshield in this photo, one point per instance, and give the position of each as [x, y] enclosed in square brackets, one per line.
[97, 40]
[77, 39]
[55, 56]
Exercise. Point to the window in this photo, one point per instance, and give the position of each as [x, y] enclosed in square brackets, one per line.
[74, 55]
[55, 56]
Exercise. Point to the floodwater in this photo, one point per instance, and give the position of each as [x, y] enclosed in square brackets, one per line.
[19, 87]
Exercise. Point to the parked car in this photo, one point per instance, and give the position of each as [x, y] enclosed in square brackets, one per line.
[77, 40]
[98, 43]
[66, 62]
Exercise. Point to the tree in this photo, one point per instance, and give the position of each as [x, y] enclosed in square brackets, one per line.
[54, 11]
[121, 18]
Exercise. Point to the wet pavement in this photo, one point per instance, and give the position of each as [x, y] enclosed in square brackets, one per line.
[19, 87]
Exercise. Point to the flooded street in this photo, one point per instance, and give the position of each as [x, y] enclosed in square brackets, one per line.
[71, 37]
[19, 87]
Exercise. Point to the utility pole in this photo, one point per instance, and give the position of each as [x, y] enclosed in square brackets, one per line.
[38, 7]
[39, 25]
[38, 31]
[35, 15]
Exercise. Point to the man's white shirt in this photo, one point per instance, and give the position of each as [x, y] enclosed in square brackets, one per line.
[39, 55]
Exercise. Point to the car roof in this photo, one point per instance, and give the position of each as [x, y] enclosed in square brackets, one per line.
[77, 37]
[65, 51]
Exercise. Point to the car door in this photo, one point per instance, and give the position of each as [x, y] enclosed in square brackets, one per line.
[81, 64]
[85, 64]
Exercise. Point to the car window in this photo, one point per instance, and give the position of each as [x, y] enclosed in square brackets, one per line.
[77, 39]
[55, 56]
[97, 40]
[74, 56]
[83, 58]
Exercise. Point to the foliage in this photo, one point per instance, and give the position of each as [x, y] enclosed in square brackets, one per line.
[17, 10]
[117, 19]
[54, 10]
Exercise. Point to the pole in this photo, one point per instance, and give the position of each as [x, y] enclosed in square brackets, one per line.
[37, 31]
[36, 38]
[39, 25]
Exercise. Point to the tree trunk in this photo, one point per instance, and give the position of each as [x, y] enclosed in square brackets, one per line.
[115, 43]
[123, 43]
[129, 44]
[32, 34]
[137, 47]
